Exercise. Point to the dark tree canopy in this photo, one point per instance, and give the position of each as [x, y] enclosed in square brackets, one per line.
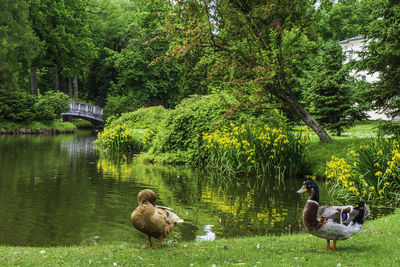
[254, 43]
[383, 53]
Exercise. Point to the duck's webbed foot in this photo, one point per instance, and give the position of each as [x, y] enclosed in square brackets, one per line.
[328, 246]
[150, 243]
[334, 244]
[159, 241]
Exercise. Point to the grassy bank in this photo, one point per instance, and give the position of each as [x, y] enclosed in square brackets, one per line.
[38, 127]
[377, 245]
[319, 153]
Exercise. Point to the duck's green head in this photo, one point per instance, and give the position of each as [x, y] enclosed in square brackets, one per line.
[311, 187]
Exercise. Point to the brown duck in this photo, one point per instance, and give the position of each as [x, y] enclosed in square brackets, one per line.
[331, 222]
[155, 221]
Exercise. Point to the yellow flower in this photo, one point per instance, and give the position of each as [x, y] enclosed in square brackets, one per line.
[381, 192]
[371, 188]
[378, 173]
[387, 183]
[376, 164]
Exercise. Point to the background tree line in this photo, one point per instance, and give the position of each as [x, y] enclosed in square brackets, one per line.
[126, 54]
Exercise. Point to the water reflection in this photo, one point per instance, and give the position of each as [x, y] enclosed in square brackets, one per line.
[235, 206]
[208, 234]
[59, 190]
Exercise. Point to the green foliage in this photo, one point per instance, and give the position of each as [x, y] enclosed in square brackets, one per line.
[389, 128]
[249, 41]
[118, 104]
[340, 20]
[68, 48]
[120, 138]
[369, 173]
[266, 151]
[183, 128]
[16, 106]
[382, 53]
[328, 91]
[51, 105]
[18, 44]
[143, 118]
[44, 113]
[149, 120]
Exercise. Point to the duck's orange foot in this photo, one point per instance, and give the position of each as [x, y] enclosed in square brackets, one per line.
[328, 246]
[150, 243]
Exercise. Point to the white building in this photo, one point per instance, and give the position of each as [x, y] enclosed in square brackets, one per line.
[351, 47]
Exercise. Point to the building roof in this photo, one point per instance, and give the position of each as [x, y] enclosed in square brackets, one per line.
[351, 39]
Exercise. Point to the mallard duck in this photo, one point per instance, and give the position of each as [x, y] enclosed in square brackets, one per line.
[155, 221]
[331, 222]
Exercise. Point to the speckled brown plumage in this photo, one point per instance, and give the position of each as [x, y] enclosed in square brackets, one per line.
[155, 221]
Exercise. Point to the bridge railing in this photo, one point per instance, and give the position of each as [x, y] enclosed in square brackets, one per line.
[85, 109]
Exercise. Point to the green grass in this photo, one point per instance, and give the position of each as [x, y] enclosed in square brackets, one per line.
[319, 153]
[37, 127]
[377, 245]
[82, 124]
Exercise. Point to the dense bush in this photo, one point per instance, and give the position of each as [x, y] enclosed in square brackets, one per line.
[117, 105]
[389, 128]
[51, 105]
[181, 137]
[272, 152]
[16, 106]
[148, 119]
[121, 139]
[368, 173]
[143, 118]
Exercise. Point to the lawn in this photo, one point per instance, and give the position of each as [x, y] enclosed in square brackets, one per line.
[377, 245]
[319, 153]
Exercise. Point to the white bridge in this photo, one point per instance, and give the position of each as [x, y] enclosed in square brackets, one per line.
[94, 114]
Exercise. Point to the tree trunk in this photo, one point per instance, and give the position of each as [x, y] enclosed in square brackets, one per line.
[75, 88]
[57, 82]
[63, 84]
[69, 86]
[307, 118]
[34, 83]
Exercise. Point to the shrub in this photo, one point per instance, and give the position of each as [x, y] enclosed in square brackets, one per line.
[16, 106]
[183, 128]
[389, 127]
[143, 118]
[44, 113]
[148, 119]
[369, 173]
[264, 150]
[117, 105]
[120, 138]
[51, 105]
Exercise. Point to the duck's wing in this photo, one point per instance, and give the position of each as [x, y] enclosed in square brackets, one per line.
[338, 214]
[167, 215]
[163, 207]
[356, 215]
[344, 214]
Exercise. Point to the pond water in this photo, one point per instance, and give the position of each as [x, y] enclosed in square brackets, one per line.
[58, 190]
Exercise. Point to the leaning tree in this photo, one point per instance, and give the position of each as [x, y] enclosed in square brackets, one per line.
[261, 45]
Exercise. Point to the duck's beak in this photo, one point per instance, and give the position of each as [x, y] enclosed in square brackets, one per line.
[302, 190]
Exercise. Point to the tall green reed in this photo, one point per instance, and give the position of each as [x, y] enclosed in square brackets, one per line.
[370, 173]
[264, 151]
[120, 138]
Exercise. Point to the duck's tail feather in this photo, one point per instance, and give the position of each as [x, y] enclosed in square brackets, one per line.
[172, 217]
[364, 213]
